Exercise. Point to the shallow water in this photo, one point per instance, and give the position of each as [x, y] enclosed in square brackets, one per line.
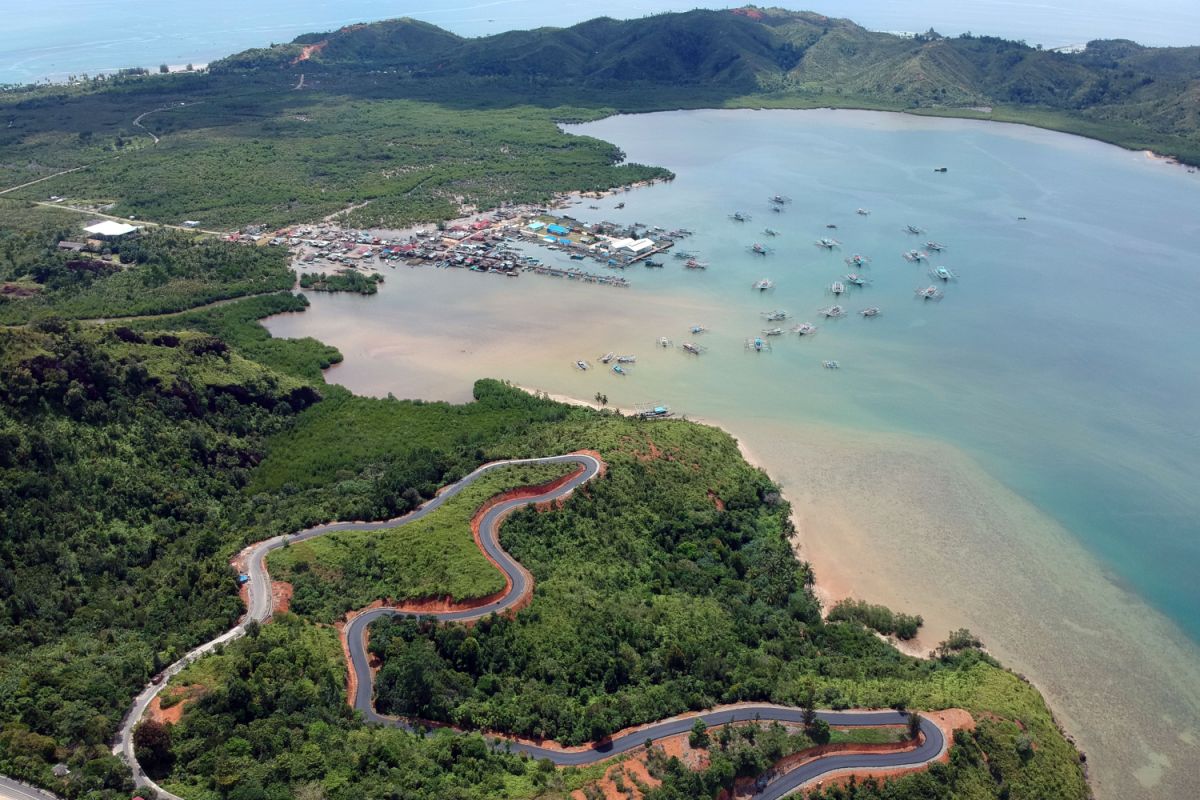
[1018, 458]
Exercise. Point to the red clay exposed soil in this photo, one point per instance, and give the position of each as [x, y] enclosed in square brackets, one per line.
[174, 713]
[716, 501]
[281, 596]
[308, 51]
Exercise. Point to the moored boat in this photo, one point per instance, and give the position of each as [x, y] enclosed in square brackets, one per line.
[837, 287]
[764, 284]
[805, 329]
[871, 311]
[607, 357]
[581, 364]
[831, 312]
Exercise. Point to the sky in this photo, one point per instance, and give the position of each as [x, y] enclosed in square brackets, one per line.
[55, 38]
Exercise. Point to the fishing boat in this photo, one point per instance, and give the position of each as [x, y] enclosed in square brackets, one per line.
[618, 369]
[856, 279]
[777, 209]
[692, 263]
[653, 411]
[857, 261]
[582, 364]
[683, 255]
[942, 274]
[779, 199]
[738, 216]
[607, 357]
[772, 331]
[831, 226]
[913, 229]
[827, 243]
[863, 212]
[759, 249]
[764, 284]
[837, 287]
[829, 364]
[576, 257]
[770, 232]
[626, 359]
[915, 256]
[832, 312]
[620, 205]
[758, 344]
[941, 169]
[664, 341]
[872, 311]
[936, 247]
[775, 316]
[805, 329]
[694, 349]
[650, 263]
[698, 329]
[930, 293]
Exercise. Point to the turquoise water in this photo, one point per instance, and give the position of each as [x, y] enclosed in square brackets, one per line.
[65, 37]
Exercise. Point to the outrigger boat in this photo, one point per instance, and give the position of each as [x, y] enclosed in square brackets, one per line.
[857, 261]
[694, 349]
[772, 331]
[872, 311]
[856, 279]
[607, 357]
[833, 312]
[770, 232]
[837, 287]
[758, 344]
[942, 274]
[777, 209]
[698, 329]
[780, 200]
[831, 226]
[582, 364]
[775, 316]
[930, 293]
[626, 359]
[863, 212]
[759, 249]
[738, 216]
[764, 284]
[684, 255]
[827, 243]
[915, 256]
[936, 247]
[664, 341]
[913, 229]
[805, 329]
[618, 369]
[829, 364]
[692, 263]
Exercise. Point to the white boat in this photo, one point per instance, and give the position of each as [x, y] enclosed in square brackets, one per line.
[581, 364]
[913, 229]
[936, 247]
[607, 357]
[857, 260]
[738, 216]
[763, 284]
[863, 212]
[772, 331]
[805, 329]
[827, 243]
[837, 287]
[856, 279]
[775, 316]
[943, 274]
[694, 349]
[915, 256]
[758, 344]
[829, 364]
[930, 293]
[626, 359]
[872, 311]
[664, 341]
[832, 312]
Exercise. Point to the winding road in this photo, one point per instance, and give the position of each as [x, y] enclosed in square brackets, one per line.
[932, 745]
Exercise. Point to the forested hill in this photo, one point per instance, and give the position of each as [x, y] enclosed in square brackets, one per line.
[773, 51]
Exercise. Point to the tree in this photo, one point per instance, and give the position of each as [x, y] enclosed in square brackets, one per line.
[152, 744]
[914, 725]
[699, 735]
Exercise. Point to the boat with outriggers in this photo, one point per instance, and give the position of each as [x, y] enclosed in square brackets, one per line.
[760, 249]
[663, 341]
[780, 200]
[857, 260]
[651, 263]
[582, 365]
[607, 357]
[915, 256]
[619, 370]
[826, 243]
[830, 364]
[805, 329]
[626, 359]
[863, 212]
[764, 284]
[684, 255]
[832, 312]
[696, 330]
[758, 344]
[855, 279]
[929, 293]
[870, 311]
[653, 411]
[935, 247]
[775, 316]
[837, 288]
[691, 348]
[772, 331]
[770, 232]
[692, 263]
[943, 274]
[738, 216]
[913, 229]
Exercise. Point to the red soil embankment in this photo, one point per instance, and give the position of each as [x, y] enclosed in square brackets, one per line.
[308, 51]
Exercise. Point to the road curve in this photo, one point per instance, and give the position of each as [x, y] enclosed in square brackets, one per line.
[16, 790]
[259, 603]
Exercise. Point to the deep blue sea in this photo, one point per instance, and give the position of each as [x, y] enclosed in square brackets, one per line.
[59, 38]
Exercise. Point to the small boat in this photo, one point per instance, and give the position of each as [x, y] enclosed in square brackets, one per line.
[620, 205]
[697, 329]
[759, 249]
[772, 332]
[607, 357]
[692, 263]
[942, 274]
[770, 232]
[827, 243]
[626, 359]
[831, 226]
[872, 311]
[832, 312]
[780, 200]
[758, 344]
[941, 169]
[863, 212]
[738, 216]
[664, 341]
[650, 263]
[764, 284]
[618, 369]
[837, 287]
[582, 364]
[805, 329]
[777, 209]
[857, 261]
[775, 316]
[694, 349]
[915, 256]
[913, 229]
[930, 293]
[828, 364]
[683, 255]
[576, 257]
[936, 247]
[856, 279]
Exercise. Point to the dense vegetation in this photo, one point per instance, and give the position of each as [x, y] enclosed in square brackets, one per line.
[158, 271]
[345, 281]
[877, 618]
[401, 122]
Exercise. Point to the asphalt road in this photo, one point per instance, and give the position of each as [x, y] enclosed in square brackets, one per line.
[260, 607]
[15, 790]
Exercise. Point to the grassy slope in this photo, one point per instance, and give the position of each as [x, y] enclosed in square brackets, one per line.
[433, 557]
